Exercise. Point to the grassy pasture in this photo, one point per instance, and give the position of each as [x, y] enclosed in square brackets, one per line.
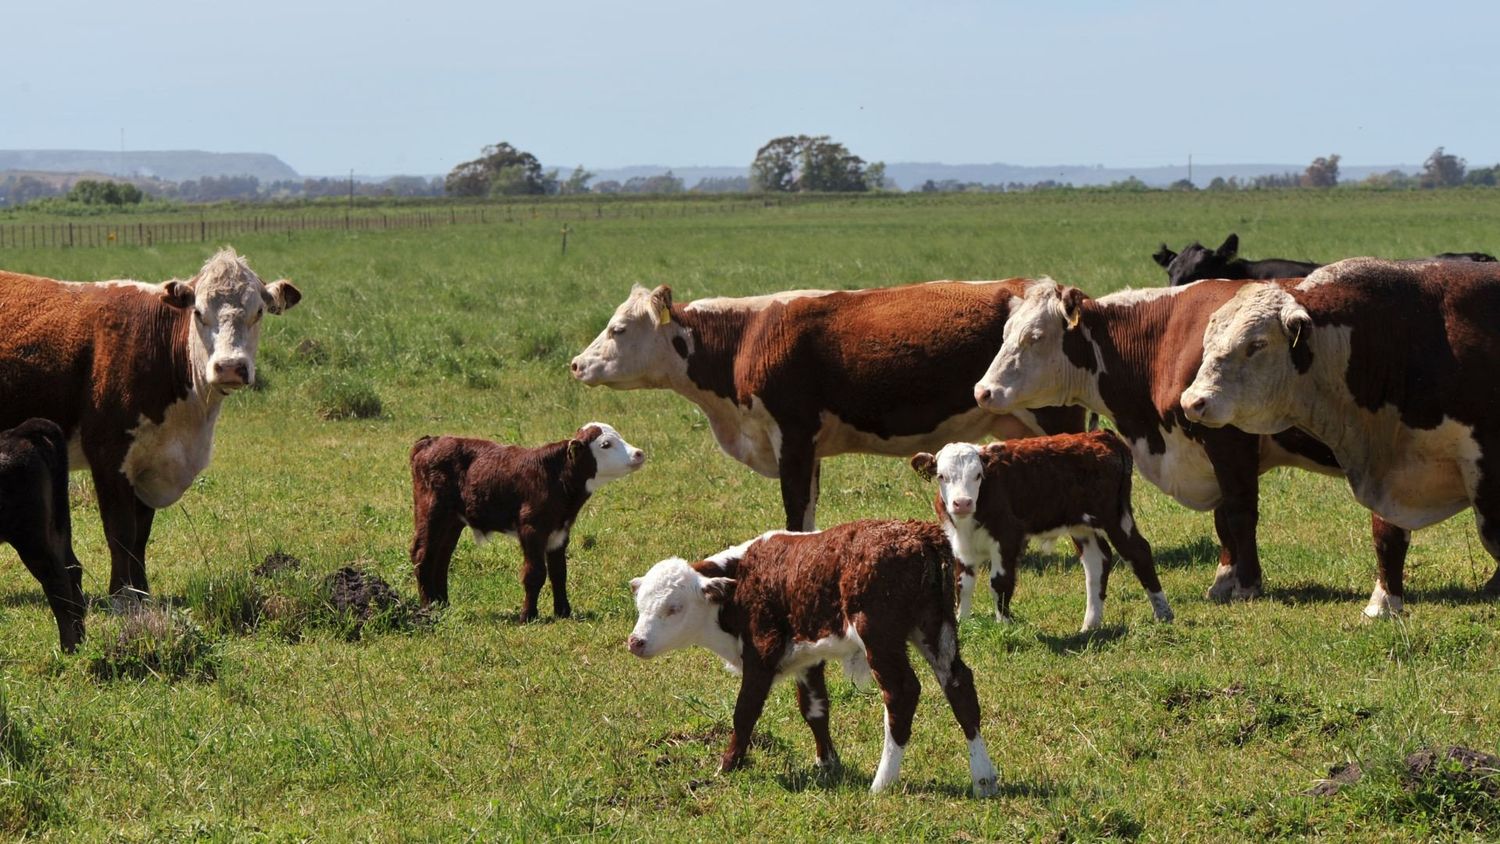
[478, 728]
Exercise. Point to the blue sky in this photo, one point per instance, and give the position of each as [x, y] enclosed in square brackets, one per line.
[387, 87]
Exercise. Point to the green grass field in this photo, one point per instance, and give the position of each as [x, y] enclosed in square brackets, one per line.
[478, 728]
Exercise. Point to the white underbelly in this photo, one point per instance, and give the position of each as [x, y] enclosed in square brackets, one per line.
[1183, 471]
[835, 436]
[846, 648]
[1423, 478]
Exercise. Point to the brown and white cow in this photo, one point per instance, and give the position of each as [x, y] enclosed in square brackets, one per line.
[1128, 356]
[530, 494]
[1390, 364]
[135, 375]
[991, 499]
[34, 519]
[783, 604]
[790, 378]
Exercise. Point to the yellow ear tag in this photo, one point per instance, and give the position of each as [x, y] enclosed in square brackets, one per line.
[666, 316]
[1297, 336]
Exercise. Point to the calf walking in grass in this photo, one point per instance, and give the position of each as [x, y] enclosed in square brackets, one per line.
[991, 499]
[783, 604]
[34, 518]
[531, 494]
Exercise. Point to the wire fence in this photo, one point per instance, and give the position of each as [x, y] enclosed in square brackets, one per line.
[126, 233]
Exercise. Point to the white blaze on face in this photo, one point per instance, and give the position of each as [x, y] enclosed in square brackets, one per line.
[638, 347]
[674, 609]
[960, 472]
[229, 301]
[1030, 370]
[613, 457]
[1247, 361]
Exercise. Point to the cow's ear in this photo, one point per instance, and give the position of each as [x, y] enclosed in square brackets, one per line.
[1072, 302]
[1164, 256]
[281, 295]
[661, 304]
[1229, 248]
[718, 590]
[635, 585]
[925, 465]
[1297, 321]
[178, 294]
[991, 454]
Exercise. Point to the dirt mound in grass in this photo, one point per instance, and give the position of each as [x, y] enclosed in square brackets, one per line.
[1456, 764]
[361, 594]
[277, 562]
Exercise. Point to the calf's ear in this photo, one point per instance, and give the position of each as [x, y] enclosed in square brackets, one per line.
[177, 294]
[1164, 256]
[925, 465]
[661, 304]
[1229, 248]
[281, 295]
[1072, 302]
[991, 454]
[635, 585]
[718, 590]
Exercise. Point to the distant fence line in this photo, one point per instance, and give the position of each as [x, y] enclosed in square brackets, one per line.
[125, 233]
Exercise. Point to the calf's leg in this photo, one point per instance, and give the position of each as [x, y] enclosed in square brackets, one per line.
[755, 683]
[812, 701]
[966, 578]
[899, 687]
[432, 545]
[557, 572]
[1003, 576]
[1133, 546]
[533, 569]
[50, 568]
[937, 641]
[1095, 559]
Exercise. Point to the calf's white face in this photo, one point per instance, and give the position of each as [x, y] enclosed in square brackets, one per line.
[959, 470]
[641, 346]
[1245, 378]
[676, 608]
[1030, 370]
[613, 457]
[228, 301]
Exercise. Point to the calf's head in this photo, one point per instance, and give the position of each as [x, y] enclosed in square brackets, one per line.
[1253, 347]
[641, 346]
[1043, 353]
[959, 469]
[227, 300]
[613, 457]
[676, 607]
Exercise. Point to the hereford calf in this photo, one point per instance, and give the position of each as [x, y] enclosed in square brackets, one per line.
[34, 518]
[991, 499]
[532, 494]
[783, 604]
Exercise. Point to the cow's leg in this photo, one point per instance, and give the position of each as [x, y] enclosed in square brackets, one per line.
[1003, 577]
[937, 642]
[1235, 457]
[1133, 546]
[46, 562]
[966, 579]
[1095, 559]
[799, 472]
[433, 543]
[755, 684]
[1486, 498]
[899, 686]
[812, 700]
[533, 569]
[120, 512]
[557, 572]
[1391, 543]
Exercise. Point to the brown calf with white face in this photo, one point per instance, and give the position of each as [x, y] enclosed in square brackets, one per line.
[34, 518]
[531, 494]
[992, 498]
[783, 604]
[789, 378]
[135, 375]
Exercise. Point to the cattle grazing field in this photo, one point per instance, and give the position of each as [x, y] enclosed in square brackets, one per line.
[277, 723]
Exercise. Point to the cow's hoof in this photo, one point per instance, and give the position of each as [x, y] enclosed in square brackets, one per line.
[1390, 607]
[128, 600]
[1244, 593]
[1002, 618]
[986, 787]
[1223, 588]
[828, 764]
[1089, 625]
[1492, 589]
[1161, 609]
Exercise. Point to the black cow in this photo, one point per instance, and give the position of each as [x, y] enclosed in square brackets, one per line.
[34, 518]
[1197, 262]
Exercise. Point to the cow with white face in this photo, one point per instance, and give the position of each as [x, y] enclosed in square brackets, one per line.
[135, 375]
[784, 604]
[992, 498]
[1391, 365]
[789, 378]
[1128, 356]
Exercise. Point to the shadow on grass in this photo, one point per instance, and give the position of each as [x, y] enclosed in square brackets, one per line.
[1202, 552]
[844, 779]
[1313, 593]
[1076, 643]
[24, 598]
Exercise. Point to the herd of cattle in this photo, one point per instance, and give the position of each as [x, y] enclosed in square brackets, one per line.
[1374, 370]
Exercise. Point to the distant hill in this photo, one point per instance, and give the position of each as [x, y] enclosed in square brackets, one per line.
[171, 165]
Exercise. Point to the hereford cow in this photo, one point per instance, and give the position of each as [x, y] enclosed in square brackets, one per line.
[530, 494]
[783, 604]
[1128, 356]
[34, 519]
[1390, 364]
[135, 375]
[1197, 262]
[991, 499]
[790, 378]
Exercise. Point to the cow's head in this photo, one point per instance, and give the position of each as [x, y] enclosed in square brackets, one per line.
[227, 300]
[1197, 261]
[613, 457]
[1033, 367]
[642, 346]
[959, 469]
[1255, 344]
[676, 606]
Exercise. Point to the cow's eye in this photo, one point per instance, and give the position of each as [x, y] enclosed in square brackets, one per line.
[617, 330]
[605, 443]
[978, 476]
[673, 609]
[202, 320]
[942, 477]
[1255, 346]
